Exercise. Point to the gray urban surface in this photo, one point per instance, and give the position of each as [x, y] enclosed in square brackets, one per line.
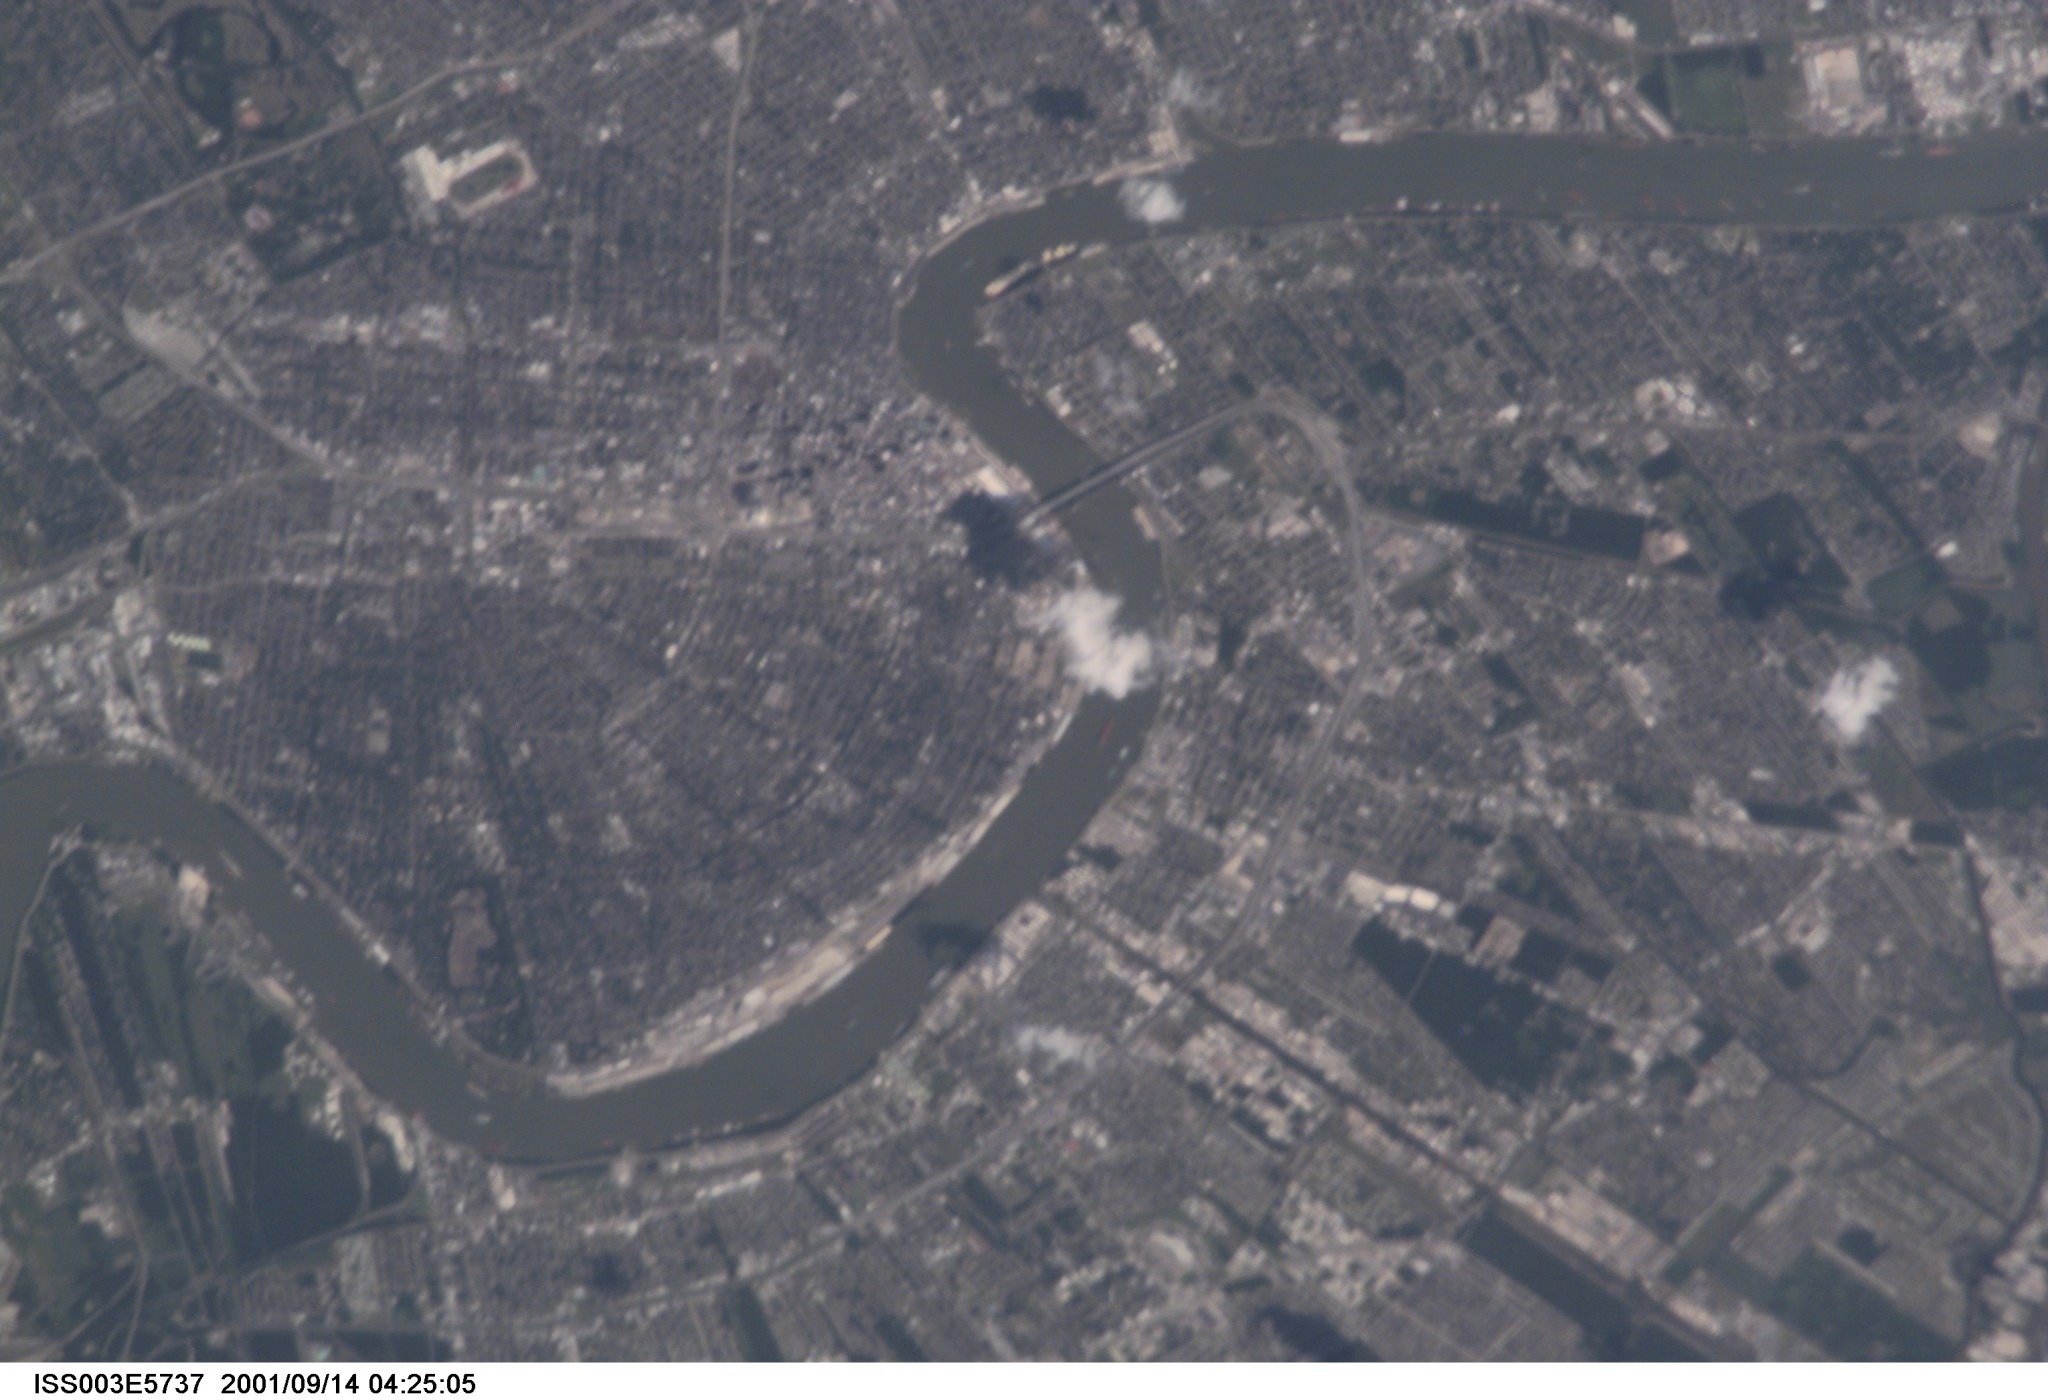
[1584, 890]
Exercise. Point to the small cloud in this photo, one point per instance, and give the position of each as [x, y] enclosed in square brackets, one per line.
[1855, 695]
[1060, 1045]
[1185, 93]
[1099, 656]
[1150, 200]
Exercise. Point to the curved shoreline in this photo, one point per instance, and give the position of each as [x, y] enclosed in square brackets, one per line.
[755, 1003]
[363, 1011]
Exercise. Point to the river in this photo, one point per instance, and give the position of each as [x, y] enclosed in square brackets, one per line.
[368, 1017]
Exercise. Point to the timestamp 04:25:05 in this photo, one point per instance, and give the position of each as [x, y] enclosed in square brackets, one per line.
[365, 1380]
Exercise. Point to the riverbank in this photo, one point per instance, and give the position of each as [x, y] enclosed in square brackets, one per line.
[717, 1019]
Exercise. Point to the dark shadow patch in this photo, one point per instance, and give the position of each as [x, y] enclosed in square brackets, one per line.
[950, 946]
[997, 547]
[1060, 106]
[1312, 1337]
[292, 1181]
[1507, 1036]
[609, 1275]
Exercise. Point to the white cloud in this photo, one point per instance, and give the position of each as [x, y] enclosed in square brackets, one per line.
[1150, 200]
[1060, 1045]
[1098, 655]
[1185, 92]
[1855, 695]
